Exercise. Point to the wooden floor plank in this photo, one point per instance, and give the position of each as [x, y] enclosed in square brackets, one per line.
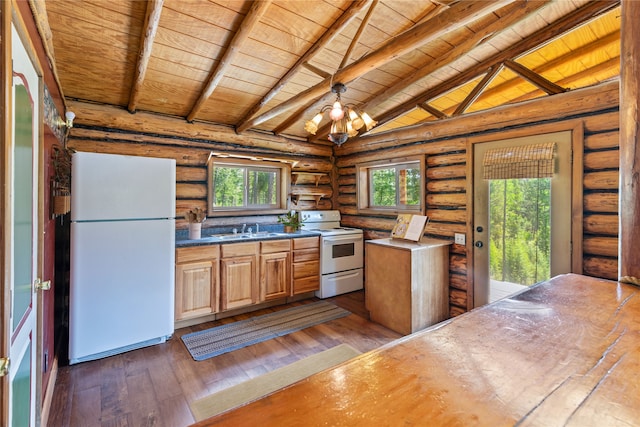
[154, 385]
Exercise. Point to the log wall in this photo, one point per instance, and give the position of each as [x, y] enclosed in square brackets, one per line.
[447, 187]
[104, 129]
[443, 143]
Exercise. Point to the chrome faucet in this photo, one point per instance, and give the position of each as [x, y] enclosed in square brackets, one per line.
[257, 228]
[243, 227]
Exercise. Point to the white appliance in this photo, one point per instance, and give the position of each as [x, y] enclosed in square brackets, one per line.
[122, 254]
[341, 253]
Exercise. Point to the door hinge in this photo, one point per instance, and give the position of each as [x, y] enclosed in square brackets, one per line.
[4, 366]
[43, 286]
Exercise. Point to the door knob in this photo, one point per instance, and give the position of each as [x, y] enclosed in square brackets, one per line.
[479, 244]
[42, 286]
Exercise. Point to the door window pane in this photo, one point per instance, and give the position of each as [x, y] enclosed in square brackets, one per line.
[23, 204]
[21, 391]
[520, 230]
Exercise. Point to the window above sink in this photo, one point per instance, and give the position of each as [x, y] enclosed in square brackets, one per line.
[244, 186]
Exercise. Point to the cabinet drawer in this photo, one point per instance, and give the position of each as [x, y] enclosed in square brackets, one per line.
[197, 253]
[306, 255]
[239, 249]
[272, 246]
[305, 269]
[306, 243]
[306, 284]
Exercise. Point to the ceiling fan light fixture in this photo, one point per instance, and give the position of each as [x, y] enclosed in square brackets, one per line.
[346, 120]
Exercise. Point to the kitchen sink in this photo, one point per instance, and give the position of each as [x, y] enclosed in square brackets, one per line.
[243, 236]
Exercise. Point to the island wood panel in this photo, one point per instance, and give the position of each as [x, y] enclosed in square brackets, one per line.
[407, 283]
[536, 359]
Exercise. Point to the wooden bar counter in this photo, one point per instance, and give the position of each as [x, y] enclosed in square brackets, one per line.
[564, 353]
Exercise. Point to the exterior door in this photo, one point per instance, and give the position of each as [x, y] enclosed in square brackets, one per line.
[522, 218]
[22, 237]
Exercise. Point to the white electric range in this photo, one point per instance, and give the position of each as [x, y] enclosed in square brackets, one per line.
[341, 253]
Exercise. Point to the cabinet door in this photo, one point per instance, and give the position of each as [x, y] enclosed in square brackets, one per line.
[239, 281]
[274, 276]
[196, 289]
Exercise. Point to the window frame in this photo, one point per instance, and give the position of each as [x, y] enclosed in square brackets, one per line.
[364, 190]
[282, 189]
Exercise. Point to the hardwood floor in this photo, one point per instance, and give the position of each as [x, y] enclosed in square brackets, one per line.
[153, 386]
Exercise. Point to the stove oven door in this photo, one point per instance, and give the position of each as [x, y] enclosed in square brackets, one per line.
[341, 253]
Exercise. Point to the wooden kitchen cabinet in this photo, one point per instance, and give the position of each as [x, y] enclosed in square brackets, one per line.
[239, 275]
[275, 262]
[305, 265]
[197, 290]
[407, 283]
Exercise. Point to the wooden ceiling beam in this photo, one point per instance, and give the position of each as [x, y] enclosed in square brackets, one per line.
[433, 111]
[257, 9]
[560, 62]
[514, 13]
[316, 70]
[456, 16]
[39, 10]
[534, 78]
[336, 28]
[611, 64]
[477, 90]
[589, 11]
[150, 26]
[295, 117]
[356, 38]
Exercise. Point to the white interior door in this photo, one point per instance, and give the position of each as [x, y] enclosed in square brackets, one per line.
[23, 237]
[521, 226]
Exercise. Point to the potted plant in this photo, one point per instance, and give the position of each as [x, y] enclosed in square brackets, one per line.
[291, 221]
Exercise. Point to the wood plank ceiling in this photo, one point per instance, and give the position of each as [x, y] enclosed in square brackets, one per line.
[268, 66]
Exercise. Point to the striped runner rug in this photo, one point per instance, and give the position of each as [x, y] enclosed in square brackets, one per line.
[222, 339]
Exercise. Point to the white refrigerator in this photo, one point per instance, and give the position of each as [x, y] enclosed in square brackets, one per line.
[122, 254]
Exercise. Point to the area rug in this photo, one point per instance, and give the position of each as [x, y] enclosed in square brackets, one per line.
[263, 385]
[223, 339]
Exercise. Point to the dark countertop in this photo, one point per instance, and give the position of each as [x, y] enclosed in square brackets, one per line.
[212, 237]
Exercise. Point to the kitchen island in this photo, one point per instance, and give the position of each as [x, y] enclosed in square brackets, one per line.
[565, 352]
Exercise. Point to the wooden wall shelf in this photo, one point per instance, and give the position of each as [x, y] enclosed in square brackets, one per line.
[313, 176]
[307, 195]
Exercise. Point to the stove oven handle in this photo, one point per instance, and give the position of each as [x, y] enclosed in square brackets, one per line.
[330, 240]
